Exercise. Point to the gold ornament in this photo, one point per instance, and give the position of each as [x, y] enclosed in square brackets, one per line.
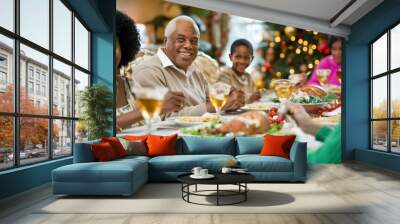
[300, 41]
[289, 31]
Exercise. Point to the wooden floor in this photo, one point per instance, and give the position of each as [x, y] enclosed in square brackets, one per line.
[378, 188]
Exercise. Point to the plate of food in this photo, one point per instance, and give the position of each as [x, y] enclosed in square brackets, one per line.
[195, 120]
[259, 106]
[252, 123]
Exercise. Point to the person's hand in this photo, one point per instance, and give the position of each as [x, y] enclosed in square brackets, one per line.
[173, 102]
[255, 96]
[235, 100]
[302, 118]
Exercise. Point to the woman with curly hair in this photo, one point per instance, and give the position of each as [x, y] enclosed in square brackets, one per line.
[127, 46]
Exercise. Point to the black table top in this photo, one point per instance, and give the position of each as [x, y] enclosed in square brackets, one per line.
[220, 178]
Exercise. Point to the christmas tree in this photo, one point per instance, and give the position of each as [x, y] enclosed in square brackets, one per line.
[285, 50]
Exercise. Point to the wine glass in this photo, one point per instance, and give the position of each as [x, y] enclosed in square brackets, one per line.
[322, 75]
[150, 102]
[219, 93]
[283, 89]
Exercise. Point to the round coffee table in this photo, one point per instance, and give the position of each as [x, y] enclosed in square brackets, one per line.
[238, 179]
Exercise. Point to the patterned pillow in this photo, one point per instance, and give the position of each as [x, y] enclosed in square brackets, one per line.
[134, 147]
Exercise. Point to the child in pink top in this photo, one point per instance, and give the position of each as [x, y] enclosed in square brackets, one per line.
[332, 62]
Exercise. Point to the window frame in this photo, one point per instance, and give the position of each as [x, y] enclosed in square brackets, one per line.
[16, 114]
[388, 74]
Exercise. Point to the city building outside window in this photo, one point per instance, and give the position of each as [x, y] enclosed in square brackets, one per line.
[37, 110]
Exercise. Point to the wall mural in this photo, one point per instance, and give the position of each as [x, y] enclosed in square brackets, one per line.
[246, 65]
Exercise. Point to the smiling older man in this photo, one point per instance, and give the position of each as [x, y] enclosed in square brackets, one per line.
[172, 67]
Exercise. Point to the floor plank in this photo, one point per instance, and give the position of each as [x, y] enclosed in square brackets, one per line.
[377, 190]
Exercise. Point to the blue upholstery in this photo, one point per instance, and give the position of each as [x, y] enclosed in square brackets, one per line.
[126, 175]
[184, 163]
[249, 145]
[83, 152]
[119, 177]
[206, 145]
[298, 154]
[259, 163]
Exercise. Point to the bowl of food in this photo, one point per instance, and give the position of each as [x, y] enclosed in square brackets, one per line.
[312, 99]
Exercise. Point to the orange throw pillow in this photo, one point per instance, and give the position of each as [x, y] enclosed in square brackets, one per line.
[103, 151]
[116, 145]
[161, 145]
[275, 145]
[136, 137]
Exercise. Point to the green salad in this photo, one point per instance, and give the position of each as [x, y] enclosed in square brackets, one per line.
[314, 99]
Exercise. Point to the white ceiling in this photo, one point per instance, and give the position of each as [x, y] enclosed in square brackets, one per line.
[321, 9]
[318, 15]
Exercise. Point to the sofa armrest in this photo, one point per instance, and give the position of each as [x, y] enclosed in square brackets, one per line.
[83, 152]
[298, 155]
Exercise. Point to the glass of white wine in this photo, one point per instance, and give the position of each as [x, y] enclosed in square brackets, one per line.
[219, 94]
[150, 102]
[283, 89]
[322, 75]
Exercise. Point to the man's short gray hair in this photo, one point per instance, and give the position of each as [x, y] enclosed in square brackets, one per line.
[171, 26]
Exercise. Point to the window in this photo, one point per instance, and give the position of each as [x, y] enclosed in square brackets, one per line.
[7, 14]
[3, 61]
[30, 87]
[37, 74]
[38, 89]
[3, 78]
[43, 90]
[385, 96]
[30, 72]
[46, 74]
[3, 72]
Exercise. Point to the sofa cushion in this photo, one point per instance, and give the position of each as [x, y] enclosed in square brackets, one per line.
[249, 145]
[134, 147]
[103, 152]
[136, 137]
[190, 145]
[277, 145]
[185, 163]
[161, 145]
[257, 163]
[112, 171]
[116, 145]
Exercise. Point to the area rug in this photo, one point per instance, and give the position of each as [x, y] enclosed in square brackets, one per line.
[167, 198]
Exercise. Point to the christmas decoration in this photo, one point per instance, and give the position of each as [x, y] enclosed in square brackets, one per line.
[285, 50]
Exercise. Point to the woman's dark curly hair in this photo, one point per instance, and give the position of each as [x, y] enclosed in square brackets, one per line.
[128, 37]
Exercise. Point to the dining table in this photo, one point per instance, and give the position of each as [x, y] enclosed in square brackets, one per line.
[170, 126]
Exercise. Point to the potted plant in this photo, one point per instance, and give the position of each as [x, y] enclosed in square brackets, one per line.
[96, 104]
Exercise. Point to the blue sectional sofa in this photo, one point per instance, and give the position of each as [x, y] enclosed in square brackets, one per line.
[125, 176]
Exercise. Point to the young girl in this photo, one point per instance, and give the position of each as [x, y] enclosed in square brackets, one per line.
[241, 56]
